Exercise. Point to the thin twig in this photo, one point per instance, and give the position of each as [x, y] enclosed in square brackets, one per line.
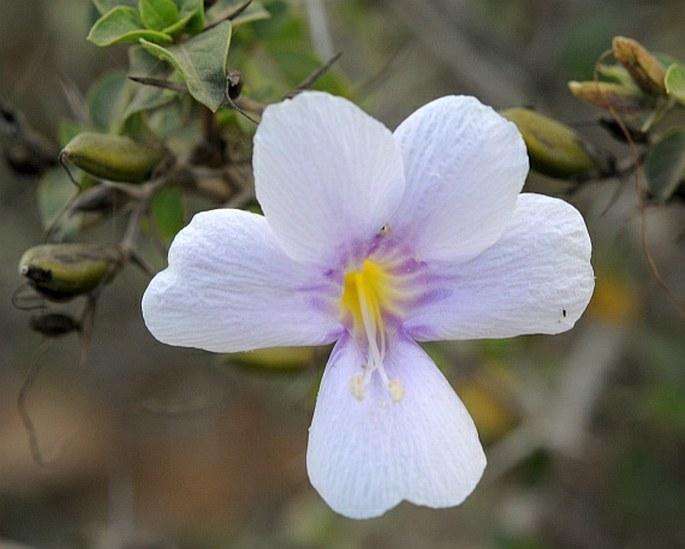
[22, 407]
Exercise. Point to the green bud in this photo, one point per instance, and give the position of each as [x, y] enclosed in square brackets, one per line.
[64, 271]
[611, 96]
[554, 148]
[645, 69]
[112, 157]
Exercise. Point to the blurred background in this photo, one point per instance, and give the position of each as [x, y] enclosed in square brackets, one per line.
[151, 446]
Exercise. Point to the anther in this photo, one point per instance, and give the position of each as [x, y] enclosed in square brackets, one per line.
[357, 384]
[396, 390]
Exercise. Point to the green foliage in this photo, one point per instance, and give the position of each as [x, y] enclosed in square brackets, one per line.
[153, 20]
[643, 88]
[168, 211]
[665, 164]
[201, 62]
[104, 6]
[223, 9]
[158, 14]
[123, 24]
[675, 82]
[55, 190]
[107, 100]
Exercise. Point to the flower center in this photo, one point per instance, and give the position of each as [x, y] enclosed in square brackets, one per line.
[369, 301]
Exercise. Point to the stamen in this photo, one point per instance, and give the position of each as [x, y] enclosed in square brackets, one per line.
[364, 296]
[373, 326]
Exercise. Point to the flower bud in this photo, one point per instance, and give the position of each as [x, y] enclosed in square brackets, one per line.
[63, 271]
[611, 96]
[554, 148]
[113, 157]
[645, 69]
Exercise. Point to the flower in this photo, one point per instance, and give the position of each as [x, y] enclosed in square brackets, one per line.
[377, 240]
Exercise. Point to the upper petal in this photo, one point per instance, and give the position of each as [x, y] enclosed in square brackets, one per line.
[365, 456]
[464, 166]
[229, 287]
[327, 175]
[536, 279]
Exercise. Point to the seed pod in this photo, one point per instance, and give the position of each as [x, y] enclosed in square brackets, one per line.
[63, 271]
[644, 68]
[54, 324]
[113, 157]
[611, 96]
[554, 148]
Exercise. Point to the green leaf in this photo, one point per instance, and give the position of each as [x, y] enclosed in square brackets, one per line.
[143, 63]
[145, 98]
[222, 9]
[179, 25]
[67, 130]
[55, 190]
[148, 98]
[665, 164]
[201, 62]
[107, 100]
[158, 14]
[196, 10]
[123, 24]
[168, 212]
[104, 6]
[675, 82]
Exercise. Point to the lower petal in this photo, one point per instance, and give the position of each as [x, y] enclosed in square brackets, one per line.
[229, 287]
[365, 456]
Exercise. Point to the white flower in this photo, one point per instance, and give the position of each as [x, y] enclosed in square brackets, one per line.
[377, 240]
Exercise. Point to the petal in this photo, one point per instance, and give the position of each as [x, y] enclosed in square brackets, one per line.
[229, 287]
[464, 167]
[536, 279]
[327, 175]
[365, 456]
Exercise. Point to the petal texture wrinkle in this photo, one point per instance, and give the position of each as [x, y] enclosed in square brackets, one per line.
[465, 166]
[229, 287]
[327, 175]
[536, 279]
[365, 456]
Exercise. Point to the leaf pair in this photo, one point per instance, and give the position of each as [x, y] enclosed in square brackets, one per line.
[153, 20]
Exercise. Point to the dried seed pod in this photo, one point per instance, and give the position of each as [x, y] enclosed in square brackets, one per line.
[54, 324]
[645, 69]
[554, 148]
[234, 84]
[26, 151]
[113, 157]
[611, 96]
[63, 271]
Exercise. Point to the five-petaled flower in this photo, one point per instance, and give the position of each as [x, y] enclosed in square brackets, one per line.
[377, 240]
